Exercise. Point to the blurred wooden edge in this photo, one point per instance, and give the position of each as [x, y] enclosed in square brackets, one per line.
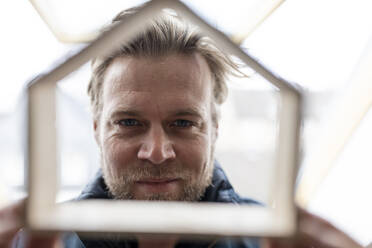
[254, 18]
[4, 199]
[62, 35]
[352, 106]
[162, 218]
[183, 218]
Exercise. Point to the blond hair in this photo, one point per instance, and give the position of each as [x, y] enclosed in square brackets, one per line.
[166, 35]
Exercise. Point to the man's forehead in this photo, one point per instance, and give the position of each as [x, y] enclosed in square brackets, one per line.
[133, 97]
[171, 72]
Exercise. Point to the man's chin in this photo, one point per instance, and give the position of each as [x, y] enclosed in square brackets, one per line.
[163, 196]
[193, 193]
[159, 197]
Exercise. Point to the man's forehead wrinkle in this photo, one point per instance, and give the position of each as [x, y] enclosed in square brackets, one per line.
[115, 104]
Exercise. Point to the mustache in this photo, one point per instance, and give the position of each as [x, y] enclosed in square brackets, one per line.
[148, 170]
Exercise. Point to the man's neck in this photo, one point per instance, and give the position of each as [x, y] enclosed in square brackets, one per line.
[153, 242]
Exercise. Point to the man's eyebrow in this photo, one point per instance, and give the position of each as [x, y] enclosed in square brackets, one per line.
[188, 112]
[125, 112]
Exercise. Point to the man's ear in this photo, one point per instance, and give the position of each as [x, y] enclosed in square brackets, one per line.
[96, 131]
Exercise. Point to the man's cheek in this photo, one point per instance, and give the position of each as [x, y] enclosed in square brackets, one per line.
[117, 155]
[196, 158]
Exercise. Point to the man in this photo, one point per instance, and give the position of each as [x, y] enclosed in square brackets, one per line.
[155, 109]
[155, 104]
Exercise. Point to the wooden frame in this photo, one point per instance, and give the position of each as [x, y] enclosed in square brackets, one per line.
[255, 17]
[353, 104]
[43, 214]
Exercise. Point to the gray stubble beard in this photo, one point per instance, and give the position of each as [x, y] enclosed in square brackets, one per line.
[120, 183]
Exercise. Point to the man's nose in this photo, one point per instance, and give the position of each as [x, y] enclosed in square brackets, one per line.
[156, 147]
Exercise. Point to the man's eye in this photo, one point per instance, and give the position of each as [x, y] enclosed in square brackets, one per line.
[182, 123]
[129, 122]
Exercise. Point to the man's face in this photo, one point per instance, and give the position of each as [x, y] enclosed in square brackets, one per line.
[155, 131]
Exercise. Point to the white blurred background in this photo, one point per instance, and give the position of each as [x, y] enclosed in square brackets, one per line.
[316, 44]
